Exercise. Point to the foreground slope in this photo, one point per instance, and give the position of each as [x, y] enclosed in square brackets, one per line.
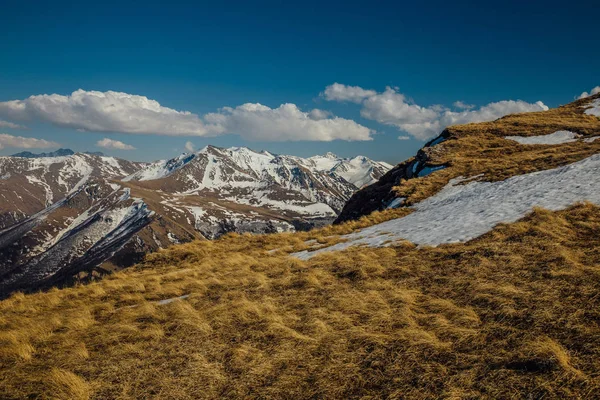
[510, 313]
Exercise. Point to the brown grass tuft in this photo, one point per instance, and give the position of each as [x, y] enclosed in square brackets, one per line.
[65, 385]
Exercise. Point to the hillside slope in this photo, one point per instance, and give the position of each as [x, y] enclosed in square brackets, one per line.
[510, 313]
[484, 152]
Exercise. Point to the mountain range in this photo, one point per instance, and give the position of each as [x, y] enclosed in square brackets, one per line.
[68, 216]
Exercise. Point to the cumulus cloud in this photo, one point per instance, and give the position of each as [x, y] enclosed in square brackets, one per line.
[21, 142]
[105, 112]
[462, 105]
[339, 92]
[395, 109]
[287, 122]
[6, 124]
[189, 146]
[126, 113]
[113, 144]
[592, 92]
[318, 115]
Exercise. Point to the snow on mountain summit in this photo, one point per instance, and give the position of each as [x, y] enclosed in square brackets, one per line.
[358, 171]
[160, 169]
[238, 187]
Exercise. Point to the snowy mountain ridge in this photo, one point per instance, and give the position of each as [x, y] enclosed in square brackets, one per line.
[359, 171]
[293, 186]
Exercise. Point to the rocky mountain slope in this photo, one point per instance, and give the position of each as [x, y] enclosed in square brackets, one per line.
[299, 190]
[74, 216]
[28, 185]
[459, 287]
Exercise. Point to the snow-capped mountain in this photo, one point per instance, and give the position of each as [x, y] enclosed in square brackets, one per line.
[293, 186]
[80, 214]
[28, 185]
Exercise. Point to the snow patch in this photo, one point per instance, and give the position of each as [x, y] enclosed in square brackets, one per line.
[593, 108]
[397, 202]
[558, 137]
[437, 140]
[429, 169]
[462, 212]
[167, 301]
[160, 169]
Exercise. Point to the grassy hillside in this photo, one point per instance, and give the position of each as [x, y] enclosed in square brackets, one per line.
[514, 312]
[480, 150]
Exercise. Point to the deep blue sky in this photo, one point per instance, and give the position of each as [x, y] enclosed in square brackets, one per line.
[202, 56]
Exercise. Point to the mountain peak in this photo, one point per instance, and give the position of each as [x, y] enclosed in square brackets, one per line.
[331, 155]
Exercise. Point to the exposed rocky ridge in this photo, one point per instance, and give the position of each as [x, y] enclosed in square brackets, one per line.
[482, 151]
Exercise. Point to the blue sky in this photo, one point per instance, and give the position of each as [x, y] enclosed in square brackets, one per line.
[204, 56]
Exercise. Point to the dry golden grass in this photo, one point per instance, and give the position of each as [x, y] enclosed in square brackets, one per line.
[513, 314]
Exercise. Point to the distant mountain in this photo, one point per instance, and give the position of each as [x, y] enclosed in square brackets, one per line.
[315, 186]
[57, 153]
[73, 216]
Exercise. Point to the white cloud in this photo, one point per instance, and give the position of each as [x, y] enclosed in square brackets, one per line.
[113, 144]
[462, 105]
[255, 121]
[318, 115]
[6, 124]
[189, 146]
[403, 137]
[126, 113]
[339, 92]
[105, 112]
[394, 109]
[592, 92]
[21, 142]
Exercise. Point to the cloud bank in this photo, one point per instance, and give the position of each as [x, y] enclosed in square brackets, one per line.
[21, 142]
[592, 92]
[287, 122]
[395, 109]
[339, 92]
[113, 144]
[133, 114]
[6, 124]
[104, 112]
